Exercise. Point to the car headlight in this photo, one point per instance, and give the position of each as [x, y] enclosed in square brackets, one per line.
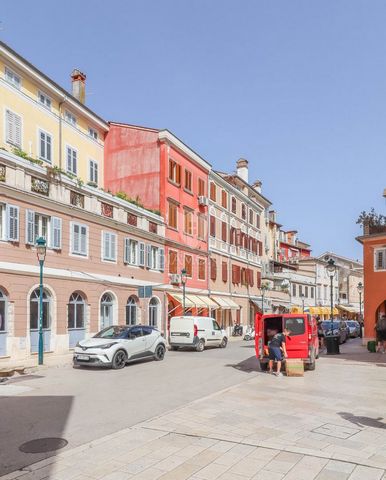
[106, 345]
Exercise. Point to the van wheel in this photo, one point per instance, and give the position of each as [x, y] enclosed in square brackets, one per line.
[311, 366]
[200, 346]
[224, 342]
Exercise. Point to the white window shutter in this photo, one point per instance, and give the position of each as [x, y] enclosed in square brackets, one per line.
[126, 251]
[83, 240]
[56, 233]
[17, 130]
[141, 262]
[29, 227]
[113, 240]
[148, 256]
[12, 223]
[161, 264]
[75, 234]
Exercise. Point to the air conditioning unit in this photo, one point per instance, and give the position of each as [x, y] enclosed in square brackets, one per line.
[175, 279]
[204, 201]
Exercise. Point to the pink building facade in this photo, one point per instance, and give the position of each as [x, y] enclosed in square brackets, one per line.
[101, 252]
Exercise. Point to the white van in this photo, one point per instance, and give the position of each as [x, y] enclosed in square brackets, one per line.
[196, 332]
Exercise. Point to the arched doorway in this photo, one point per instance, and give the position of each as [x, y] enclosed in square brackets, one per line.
[35, 317]
[76, 319]
[131, 311]
[3, 323]
[107, 312]
[154, 312]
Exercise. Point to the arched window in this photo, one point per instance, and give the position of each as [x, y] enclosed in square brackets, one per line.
[153, 312]
[76, 310]
[35, 309]
[107, 303]
[131, 311]
[3, 311]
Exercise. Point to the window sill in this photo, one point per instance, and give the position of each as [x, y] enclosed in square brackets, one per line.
[172, 182]
[188, 191]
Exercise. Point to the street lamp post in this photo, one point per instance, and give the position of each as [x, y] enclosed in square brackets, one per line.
[360, 290]
[332, 341]
[184, 275]
[302, 297]
[41, 254]
[263, 289]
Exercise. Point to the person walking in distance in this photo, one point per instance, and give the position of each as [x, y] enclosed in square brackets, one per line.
[277, 350]
[380, 329]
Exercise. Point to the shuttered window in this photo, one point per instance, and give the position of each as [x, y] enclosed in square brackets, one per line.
[109, 247]
[79, 239]
[72, 160]
[56, 233]
[224, 231]
[130, 255]
[172, 215]
[13, 126]
[234, 205]
[201, 269]
[141, 257]
[236, 274]
[161, 259]
[201, 227]
[45, 146]
[258, 279]
[380, 259]
[93, 171]
[212, 225]
[189, 265]
[212, 191]
[224, 271]
[224, 199]
[172, 261]
[12, 216]
[213, 269]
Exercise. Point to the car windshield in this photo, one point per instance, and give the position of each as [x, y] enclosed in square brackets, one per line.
[115, 331]
[327, 325]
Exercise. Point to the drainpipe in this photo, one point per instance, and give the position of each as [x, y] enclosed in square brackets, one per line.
[60, 133]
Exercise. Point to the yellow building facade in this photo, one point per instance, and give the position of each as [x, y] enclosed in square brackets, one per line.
[42, 121]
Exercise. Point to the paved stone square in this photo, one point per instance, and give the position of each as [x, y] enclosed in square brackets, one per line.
[328, 425]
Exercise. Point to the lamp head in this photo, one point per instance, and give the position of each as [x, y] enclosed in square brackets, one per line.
[331, 268]
[41, 248]
[360, 287]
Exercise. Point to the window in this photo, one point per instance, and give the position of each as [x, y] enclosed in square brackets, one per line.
[131, 311]
[45, 146]
[79, 239]
[212, 191]
[306, 292]
[172, 216]
[44, 100]
[201, 187]
[109, 246]
[189, 265]
[153, 312]
[224, 231]
[224, 271]
[35, 309]
[93, 171]
[155, 258]
[11, 223]
[174, 172]
[213, 269]
[251, 217]
[131, 252]
[300, 290]
[257, 220]
[294, 289]
[70, 118]
[92, 133]
[72, 160]
[258, 279]
[243, 211]
[12, 78]
[212, 225]
[3, 312]
[188, 222]
[201, 227]
[106, 311]
[141, 258]
[38, 225]
[13, 126]
[172, 261]
[224, 199]
[380, 259]
[76, 309]
[234, 205]
[312, 292]
[188, 180]
[295, 326]
[201, 269]
[236, 274]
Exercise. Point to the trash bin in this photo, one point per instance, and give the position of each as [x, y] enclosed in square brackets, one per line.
[332, 344]
[372, 346]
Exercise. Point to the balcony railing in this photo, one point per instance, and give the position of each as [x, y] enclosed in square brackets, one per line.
[3, 170]
[39, 185]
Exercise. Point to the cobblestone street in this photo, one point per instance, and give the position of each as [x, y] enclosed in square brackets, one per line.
[327, 425]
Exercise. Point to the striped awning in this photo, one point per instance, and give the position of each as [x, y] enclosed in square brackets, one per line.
[226, 303]
[194, 301]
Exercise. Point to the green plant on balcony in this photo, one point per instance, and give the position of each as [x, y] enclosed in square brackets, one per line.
[21, 153]
[372, 222]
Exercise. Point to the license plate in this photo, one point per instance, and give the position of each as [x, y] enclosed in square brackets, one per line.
[83, 357]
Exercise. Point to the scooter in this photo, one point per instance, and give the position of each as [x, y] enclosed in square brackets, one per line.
[237, 331]
[249, 334]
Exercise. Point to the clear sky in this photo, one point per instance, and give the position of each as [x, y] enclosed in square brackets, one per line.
[297, 87]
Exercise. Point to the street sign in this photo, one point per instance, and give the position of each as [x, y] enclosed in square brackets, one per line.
[145, 292]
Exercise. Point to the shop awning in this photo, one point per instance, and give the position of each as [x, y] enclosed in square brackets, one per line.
[225, 303]
[201, 301]
[179, 298]
[346, 308]
[257, 302]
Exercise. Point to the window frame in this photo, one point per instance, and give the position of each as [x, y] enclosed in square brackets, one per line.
[189, 271]
[93, 167]
[188, 175]
[73, 120]
[17, 84]
[44, 103]
[107, 256]
[377, 251]
[188, 214]
[47, 134]
[201, 269]
[7, 133]
[93, 133]
[79, 253]
[73, 150]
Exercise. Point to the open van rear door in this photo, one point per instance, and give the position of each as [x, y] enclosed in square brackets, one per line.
[297, 343]
[259, 335]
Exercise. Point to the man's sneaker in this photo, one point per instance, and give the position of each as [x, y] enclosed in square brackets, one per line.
[278, 374]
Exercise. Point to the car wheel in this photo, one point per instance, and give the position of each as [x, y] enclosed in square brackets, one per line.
[119, 360]
[159, 352]
[200, 346]
[224, 342]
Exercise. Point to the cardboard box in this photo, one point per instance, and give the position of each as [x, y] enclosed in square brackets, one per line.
[294, 367]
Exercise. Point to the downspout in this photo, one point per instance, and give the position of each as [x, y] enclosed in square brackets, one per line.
[60, 133]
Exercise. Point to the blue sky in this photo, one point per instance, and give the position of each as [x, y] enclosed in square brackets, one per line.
[297, 87]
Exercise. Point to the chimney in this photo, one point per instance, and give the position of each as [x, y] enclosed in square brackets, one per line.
[257, 186]
[242, 169]
[78, 85]
[272, 216]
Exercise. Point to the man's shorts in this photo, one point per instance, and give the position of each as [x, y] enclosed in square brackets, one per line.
[275, 354]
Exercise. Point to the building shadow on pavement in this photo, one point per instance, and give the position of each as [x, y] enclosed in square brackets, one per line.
[354, 351]
[249, 365]
[31, 424]
[361, 421]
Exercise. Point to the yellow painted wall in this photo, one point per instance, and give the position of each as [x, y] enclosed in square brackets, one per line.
[35, 116]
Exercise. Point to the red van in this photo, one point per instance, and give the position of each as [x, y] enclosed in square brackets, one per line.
[302, 342]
